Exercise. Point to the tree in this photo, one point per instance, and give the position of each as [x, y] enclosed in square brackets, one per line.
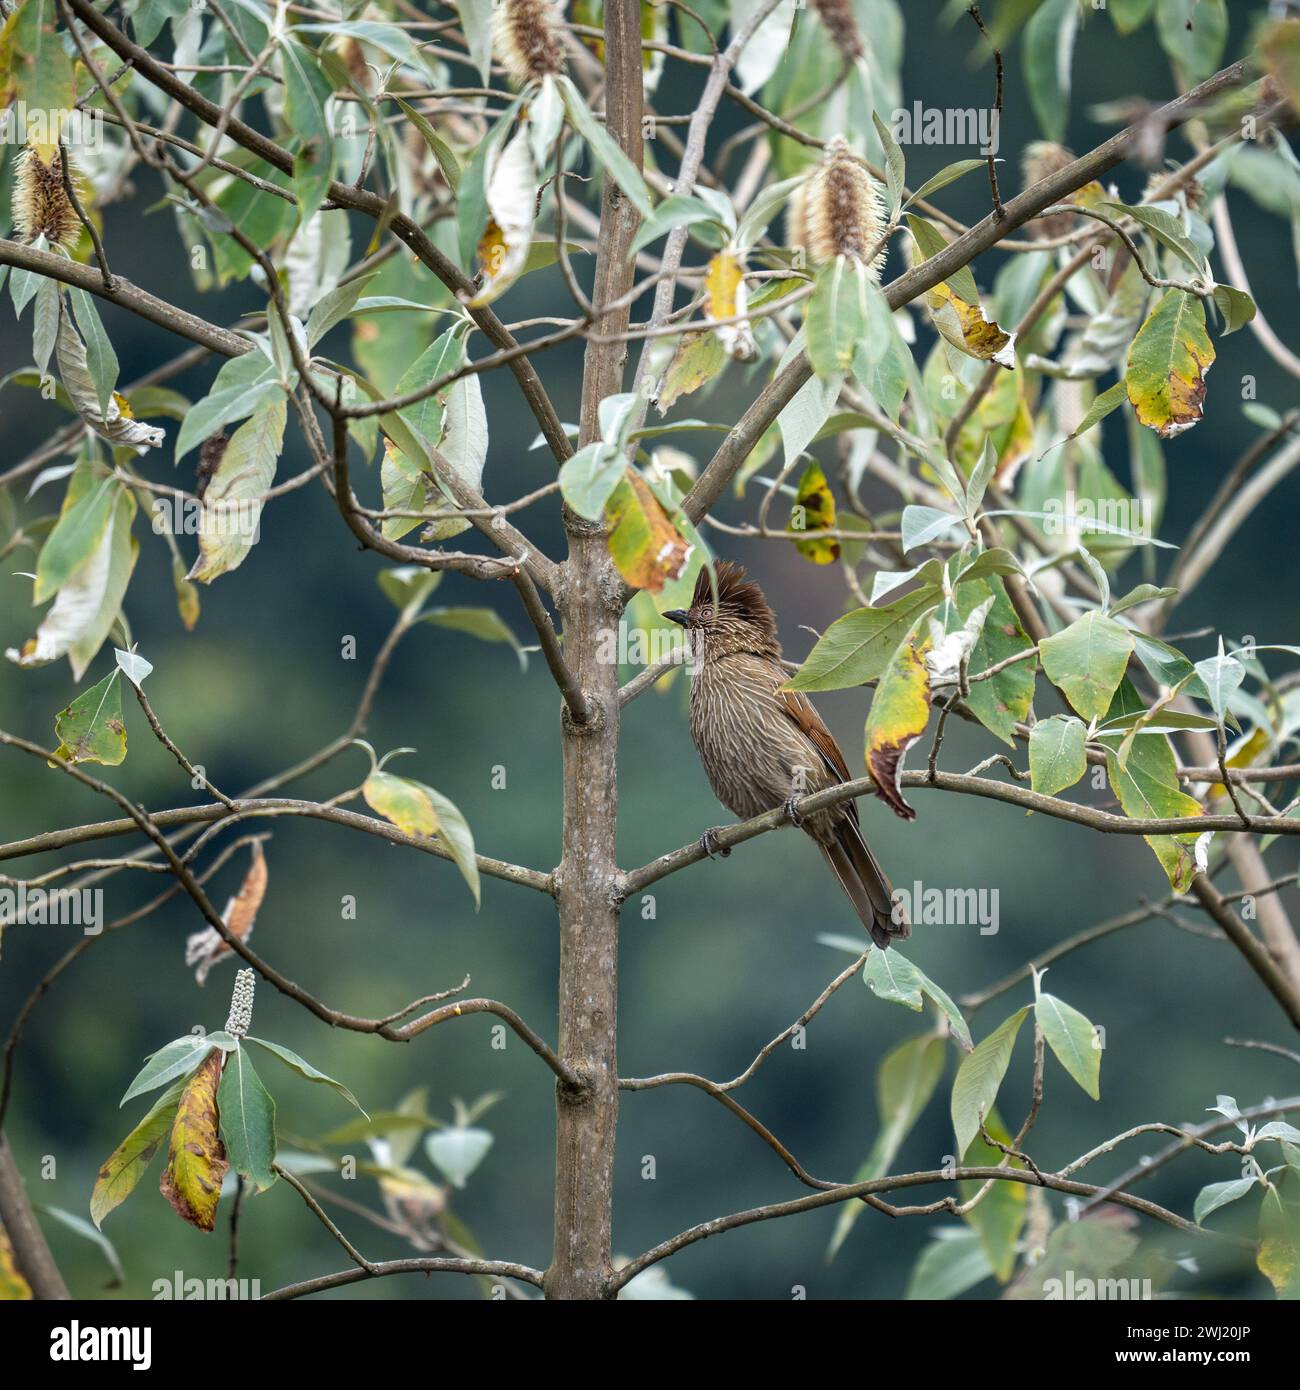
[994, 550]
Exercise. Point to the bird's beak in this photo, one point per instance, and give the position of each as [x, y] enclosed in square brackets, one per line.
[677, 615]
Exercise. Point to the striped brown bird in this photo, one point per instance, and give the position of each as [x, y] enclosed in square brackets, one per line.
[764, 747]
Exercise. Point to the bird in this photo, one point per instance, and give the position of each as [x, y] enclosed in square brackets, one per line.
[763, 746]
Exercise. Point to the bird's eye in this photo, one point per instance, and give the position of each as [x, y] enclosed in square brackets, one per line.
[706, 612]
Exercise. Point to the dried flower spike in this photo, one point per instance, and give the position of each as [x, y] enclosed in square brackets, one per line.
[838, 211]
[41, 206]
[842, 25]
[527, 40]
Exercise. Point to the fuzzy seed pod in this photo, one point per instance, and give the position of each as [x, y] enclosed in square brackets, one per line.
[41, 207]
[842, 24]
[1041, 159]
[838, 211]
[1191, 190]
[527, 41]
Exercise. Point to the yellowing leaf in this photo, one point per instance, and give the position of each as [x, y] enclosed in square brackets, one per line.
[1278, 1256]
[90, 729]
[187, 595]
[965, 326]
[13, 1287]
[1167, 363]
[196, 1159]
[645, 545]
[419, 810]
[724, 298]
[126, 1165]
[699, 358]
[1280, 46]
[230, 521]
[1148, 788]
[900, 710]
[814, 510]
[512, 207]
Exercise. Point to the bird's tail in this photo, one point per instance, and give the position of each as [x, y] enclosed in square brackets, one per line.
[865, 884]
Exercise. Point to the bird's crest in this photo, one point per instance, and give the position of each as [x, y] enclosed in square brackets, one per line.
[738, 598]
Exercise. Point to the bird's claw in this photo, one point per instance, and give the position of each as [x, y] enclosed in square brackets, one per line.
[709, 844]
[791, 809]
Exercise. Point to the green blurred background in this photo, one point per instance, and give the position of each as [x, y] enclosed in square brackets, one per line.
[730, 957]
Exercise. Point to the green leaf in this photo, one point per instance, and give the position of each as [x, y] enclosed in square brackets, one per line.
[1222, 677]
[100, 357]
[1056, 754]
[232, 504]
[889, 975]
[90, 729]
[1073, 1039]
[407, 586]
[678, 210]
[837, 316]
[604, 149]
[79, 1226]
[419, 810]
[1142, 593]
[1109, 400]
[1090, 1248]
[950, 173]
[999, 1217]
[895, 165]
[305, 1069]
[442, 151]
[427, 417]
[979, 1076]
[177, 1059]
[130, 1160]
[905, 1081]
[243, 386]
[484, 623]
[857, 647]
[77, 533]
[1236, 306]
[1048, 53]
[1193, 33]
[1128, 15]
[952, 1263]
[334, 308]
[306, 91]
[1219, 1194]
[589, 477]
[1002, 700]
[247, 1120]
[1148, 787]
[1087, 661]
[1164, 226]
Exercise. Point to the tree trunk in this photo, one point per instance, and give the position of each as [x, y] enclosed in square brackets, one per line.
[591, 601]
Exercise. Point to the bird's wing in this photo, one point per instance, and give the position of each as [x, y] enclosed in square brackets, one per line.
[804, 716]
